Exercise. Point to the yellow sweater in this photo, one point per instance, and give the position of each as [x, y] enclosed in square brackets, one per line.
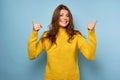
[62, 59]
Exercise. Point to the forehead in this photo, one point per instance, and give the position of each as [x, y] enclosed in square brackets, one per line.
[63, 11]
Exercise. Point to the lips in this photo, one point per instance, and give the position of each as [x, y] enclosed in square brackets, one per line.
[64, 22]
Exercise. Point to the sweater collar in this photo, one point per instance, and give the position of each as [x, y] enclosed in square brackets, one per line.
[61, 31]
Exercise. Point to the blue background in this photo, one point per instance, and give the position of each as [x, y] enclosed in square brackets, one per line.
[16, 18]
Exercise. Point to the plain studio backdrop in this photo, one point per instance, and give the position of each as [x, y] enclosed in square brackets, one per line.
[16, 18]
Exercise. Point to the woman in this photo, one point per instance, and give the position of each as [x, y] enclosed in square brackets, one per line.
[61, 43]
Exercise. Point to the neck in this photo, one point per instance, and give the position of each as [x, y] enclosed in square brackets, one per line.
[62, 30]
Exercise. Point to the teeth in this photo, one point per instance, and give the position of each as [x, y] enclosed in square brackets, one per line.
[64, 21]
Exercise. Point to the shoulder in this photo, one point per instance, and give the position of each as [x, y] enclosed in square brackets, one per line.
[45, 34]
[79, 36]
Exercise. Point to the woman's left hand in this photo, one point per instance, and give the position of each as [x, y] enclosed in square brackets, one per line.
[91, 25]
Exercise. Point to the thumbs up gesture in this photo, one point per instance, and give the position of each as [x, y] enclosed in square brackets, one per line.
[92, 25]
[36, 26]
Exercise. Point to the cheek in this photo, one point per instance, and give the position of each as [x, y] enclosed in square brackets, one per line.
[60, 18]
[68, 19]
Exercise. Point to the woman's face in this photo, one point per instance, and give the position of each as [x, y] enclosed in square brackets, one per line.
[64, 18]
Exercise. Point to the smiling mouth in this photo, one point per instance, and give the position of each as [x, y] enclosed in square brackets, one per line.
[64, 22]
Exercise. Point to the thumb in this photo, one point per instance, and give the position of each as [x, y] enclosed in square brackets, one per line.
[96, 22]
[32, 23]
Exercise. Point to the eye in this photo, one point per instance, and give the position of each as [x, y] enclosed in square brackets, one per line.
[67, 15]
[61, 14]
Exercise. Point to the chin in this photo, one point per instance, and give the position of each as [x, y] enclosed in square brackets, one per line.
[64, 25]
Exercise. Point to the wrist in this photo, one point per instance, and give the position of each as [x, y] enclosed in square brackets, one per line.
[90, 29]
[35, 30]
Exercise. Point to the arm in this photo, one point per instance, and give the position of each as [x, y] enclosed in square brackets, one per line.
[34, 47]
[88, 49]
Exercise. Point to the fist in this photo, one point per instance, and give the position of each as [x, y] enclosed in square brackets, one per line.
[36, 26]
[91, 25]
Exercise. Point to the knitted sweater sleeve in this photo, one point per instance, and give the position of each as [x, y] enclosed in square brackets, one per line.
[34, 47]
[88, 48]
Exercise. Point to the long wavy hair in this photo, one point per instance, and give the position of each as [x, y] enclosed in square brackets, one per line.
[54, 25]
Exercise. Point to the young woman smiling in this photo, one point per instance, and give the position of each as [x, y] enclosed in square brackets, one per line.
[61, 43]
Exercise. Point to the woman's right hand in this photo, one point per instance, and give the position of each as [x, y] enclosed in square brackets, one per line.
[36, 26]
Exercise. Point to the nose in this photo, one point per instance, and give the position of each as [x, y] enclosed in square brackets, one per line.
[65, 17]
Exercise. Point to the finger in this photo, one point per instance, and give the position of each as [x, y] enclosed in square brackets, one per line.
[36, 24]
[38, 28]
[40, 25]
[96, 22]
[33, 23]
